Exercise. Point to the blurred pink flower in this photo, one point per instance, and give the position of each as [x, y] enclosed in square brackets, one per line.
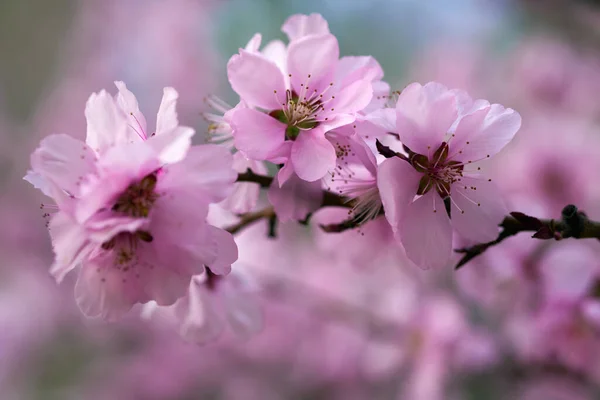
[446, 134]
[245, 194]
[133, 212]
[212, 302]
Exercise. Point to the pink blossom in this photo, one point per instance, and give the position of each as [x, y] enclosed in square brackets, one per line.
[131, 212]
[304, 94]
[446, 134]
[245, 194]
[212, 302]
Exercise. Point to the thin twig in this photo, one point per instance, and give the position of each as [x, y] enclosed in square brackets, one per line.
[249, 218]
[330, 199]
[572, 224]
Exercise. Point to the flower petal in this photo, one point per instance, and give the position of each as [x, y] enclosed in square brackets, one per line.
[64, 161]
[384, 118]
[257, 80]
[424, 114]
[166, 118]
[107, 124]
[397, 182]
[254, 43]
[298, 26]
[276, 51]
[426, 233]
[70, 243]
[295, 198]
[172, 146]
[311, 62]
[312, 156]
[129, 105]
[105, 291]
[352, 98]
[483, 208]
[257, 134]
[245, 194]
[227, 251]
[199, 320]
[485, 132]
[207, 171]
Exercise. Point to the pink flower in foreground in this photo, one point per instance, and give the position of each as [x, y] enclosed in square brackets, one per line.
[132, 214]
[445, 134]
[295, 97]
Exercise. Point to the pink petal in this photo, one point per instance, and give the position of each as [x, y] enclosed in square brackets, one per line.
[102, 290]
[70, 242]
[207, 171]
[256, 80]
[295, 198]
[384, 118]
[166, 118]
[314, 56]
[426, 233]
[183, 240]
[129, 105]
[199, 320]
[312, 156]
[352, 98]
[107, 124]
[352, 68]
[165, 284]
[424, 114]
[478, 222]
[257, 134]
[254, 43]
[285, 173]
[64, 161]
[298, 26]
[172, 146]
[243, 310]
[336, 121]
[245, 194]
[282, 153]
[276, 51]
[358, 153]
[397, 182]
[105, 225]
[485, 132]
[227, 251]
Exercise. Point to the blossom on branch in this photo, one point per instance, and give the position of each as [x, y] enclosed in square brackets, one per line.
[131, 206]
[295, 95]
[437, 186]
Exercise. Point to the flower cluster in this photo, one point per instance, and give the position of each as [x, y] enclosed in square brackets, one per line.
[131, 204]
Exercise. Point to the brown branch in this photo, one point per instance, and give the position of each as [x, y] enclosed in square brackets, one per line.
[249, 218]
[572, 224]
[250, 176]
[330, 199]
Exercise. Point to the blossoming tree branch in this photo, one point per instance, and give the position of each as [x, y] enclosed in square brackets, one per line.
[129, 208]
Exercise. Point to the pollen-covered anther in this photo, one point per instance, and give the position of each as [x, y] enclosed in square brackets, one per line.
[138, 198]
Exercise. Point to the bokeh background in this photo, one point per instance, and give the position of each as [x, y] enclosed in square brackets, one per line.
[520, 323]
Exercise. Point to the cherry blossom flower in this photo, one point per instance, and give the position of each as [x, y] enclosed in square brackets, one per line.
[245, 194]
[446, 135]
[302, 96]
[131, 207]
[212, 302]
